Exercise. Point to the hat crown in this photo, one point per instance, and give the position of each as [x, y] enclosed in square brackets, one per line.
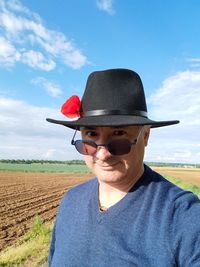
[113, 97]
[114, 89]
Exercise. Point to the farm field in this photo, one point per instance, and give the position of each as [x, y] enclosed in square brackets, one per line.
[189, 175]
[25, 195]
[46, 167]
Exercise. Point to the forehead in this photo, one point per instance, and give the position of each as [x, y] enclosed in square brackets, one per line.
[109, 128]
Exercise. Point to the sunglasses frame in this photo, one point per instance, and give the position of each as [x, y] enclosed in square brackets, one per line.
[73, 142]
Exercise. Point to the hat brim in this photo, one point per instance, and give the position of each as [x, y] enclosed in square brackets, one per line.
[112, 120]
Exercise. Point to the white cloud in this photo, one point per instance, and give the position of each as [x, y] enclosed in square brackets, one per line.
[50, 87]
[26, 34]
[178, 98]
[194, 62]
[106, 5]
[172, 144]
[194, 59]
[49, 153]
[25, 133]
[8, 54]
[37, 60]
[16, 5]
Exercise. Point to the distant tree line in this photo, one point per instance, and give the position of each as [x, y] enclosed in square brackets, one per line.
[27, 161]
[166, 164]
[81, 162]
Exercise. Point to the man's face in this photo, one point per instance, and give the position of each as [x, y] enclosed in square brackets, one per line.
[113, 169]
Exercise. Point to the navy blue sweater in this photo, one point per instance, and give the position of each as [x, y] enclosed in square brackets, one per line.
[156, 224]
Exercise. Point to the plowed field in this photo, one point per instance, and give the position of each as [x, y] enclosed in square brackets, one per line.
[25, 195]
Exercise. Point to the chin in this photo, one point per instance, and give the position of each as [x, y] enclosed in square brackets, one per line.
[110, 177]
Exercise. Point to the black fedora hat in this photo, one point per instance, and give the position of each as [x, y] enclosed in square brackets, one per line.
[113, 97]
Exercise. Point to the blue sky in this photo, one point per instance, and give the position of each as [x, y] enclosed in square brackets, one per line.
[48, 48]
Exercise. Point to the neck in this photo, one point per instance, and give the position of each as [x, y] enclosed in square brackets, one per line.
[111, 193]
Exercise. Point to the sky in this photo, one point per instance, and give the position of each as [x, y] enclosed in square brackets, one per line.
[48, 49]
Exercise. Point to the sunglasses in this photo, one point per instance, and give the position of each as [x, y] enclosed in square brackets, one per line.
[115, 147]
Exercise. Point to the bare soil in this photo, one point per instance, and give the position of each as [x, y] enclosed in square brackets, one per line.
[25, 195]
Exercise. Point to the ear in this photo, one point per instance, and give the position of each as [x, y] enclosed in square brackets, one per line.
[146, 134]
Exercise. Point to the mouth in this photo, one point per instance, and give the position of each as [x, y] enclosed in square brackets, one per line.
[107, 166]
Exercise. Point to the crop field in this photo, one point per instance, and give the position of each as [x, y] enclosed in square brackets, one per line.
[189, 175]
[47, 167]
[23, 195]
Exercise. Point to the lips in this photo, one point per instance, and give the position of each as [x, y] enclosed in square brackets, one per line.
[107, 166]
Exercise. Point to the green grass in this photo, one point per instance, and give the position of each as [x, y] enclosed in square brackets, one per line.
[46, 167]
[31, 249]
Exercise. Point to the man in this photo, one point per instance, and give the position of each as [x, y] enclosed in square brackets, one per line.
[128, 215]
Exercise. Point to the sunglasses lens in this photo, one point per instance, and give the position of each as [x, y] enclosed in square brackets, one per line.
[86, 147]
[115, 147]
[119, 147]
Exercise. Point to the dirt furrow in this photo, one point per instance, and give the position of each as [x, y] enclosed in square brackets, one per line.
[25, 195]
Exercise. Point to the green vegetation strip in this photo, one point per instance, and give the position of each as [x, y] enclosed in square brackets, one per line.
[31, 249]
[44, 167]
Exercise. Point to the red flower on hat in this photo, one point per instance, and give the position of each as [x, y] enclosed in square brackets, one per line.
[71, 108]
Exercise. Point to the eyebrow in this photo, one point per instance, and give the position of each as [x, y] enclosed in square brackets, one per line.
[94, 128]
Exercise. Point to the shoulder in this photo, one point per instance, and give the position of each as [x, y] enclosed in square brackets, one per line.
[167, 190]
[180, 208]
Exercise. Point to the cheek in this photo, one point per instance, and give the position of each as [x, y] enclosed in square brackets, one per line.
[88, 161]
[136, 155]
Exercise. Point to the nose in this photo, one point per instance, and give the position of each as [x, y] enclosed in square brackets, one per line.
[102, 153]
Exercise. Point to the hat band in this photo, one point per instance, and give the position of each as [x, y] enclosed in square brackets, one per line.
[101, 112]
